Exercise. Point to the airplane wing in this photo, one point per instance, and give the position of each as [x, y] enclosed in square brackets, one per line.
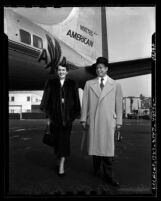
[130, 68]
[117, 70]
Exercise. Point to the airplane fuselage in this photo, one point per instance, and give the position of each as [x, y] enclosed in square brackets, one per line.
[33, 53]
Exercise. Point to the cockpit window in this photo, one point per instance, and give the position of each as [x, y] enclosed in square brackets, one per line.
[25, 37]
[37, 42]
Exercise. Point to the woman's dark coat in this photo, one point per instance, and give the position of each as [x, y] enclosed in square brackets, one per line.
[51, 101]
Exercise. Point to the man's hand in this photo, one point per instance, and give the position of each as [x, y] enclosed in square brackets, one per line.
[118, 127]
[83, 123]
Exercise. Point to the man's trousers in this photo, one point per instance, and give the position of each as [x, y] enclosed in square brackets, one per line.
[106, 163]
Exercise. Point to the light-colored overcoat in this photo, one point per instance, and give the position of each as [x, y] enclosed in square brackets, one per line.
[102, 110]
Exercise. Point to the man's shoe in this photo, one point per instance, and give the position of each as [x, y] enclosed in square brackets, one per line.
[113, 181]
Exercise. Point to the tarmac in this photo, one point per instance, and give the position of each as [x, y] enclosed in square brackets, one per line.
[31, 164]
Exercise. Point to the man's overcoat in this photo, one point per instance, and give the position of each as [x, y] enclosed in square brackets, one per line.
[102, 110]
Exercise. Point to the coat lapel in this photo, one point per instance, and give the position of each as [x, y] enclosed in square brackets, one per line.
[107, 88]
[95, 87]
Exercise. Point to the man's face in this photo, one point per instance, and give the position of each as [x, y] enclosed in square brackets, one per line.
[62, 72]
[101, 70]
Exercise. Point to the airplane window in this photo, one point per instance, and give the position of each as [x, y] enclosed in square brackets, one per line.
[37, 42]
[25, 37]
[28, 98]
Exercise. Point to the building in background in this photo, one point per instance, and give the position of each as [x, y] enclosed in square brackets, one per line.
[145, 109]
[24, 101]
[29, 102]
[134, 107]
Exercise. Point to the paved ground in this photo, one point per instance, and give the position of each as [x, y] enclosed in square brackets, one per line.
[32, 163]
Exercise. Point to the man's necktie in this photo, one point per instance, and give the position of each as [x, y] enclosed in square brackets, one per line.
[101, 84]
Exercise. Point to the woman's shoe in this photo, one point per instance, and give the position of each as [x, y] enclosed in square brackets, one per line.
[61, 174]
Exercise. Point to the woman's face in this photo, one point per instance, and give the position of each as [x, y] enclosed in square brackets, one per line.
[62, 72]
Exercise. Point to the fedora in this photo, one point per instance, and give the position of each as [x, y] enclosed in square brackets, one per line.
[102, 60]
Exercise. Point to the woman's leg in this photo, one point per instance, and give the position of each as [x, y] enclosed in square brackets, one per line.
[61, 166]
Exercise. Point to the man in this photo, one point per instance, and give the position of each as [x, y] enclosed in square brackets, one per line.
[102, 114]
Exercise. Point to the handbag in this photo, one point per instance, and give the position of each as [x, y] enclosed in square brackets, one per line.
[48, 137]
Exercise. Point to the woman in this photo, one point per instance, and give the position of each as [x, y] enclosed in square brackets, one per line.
[62, 105]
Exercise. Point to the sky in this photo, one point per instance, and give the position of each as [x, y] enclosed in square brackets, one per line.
[129, 32]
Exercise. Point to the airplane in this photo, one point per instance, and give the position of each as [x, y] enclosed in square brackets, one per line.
[34, 50]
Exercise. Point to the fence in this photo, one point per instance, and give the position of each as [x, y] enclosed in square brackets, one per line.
[27, 115]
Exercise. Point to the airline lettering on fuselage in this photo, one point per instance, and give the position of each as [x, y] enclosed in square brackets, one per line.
[54, 53]
[79, 37]
[43, 56]
[85, 29]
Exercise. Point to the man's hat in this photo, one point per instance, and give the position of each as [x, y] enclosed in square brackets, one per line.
[102, 60]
